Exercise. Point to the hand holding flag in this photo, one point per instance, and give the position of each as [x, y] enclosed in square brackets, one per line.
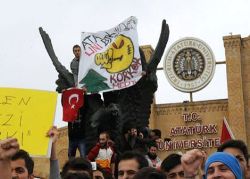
[72, 101]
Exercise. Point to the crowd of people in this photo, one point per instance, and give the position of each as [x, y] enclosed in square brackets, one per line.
[135, 158]
[230, 161]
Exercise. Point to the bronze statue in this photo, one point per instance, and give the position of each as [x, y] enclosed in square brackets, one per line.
[120, 107]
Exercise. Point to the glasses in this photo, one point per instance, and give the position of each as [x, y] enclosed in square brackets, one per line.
[174, 175]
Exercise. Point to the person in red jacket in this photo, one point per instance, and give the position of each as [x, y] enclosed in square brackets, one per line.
[103, 153]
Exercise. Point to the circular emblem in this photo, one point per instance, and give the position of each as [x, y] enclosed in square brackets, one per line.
[189, 64]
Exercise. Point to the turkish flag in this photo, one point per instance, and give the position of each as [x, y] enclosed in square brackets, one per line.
[226, 133]
[72, 100]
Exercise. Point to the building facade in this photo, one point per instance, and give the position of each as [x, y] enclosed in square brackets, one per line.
[190, 125]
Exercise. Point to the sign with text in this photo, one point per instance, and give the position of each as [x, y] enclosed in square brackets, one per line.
[199, 135]
[27, 115]
[110, 60]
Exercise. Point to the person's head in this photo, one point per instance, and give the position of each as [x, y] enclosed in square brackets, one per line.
[101, 173]
[133, 131]
[97, 174]
[77, 51]
[222, 165]
[77, 165]
[237, 148]
[130, 163]
[149, 173]
[172, 167]
[22, 165]
[103, 139]
[145, 131]
[77, 176]
[127, 127]
[155, 134]
[152, 149]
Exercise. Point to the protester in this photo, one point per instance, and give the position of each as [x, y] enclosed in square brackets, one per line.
[239, 149]
[74, 165]
[172, 167]
[218, 165]
[8, 148]
[22, 165]
[155, 134]
[77, 165]
[76, 129]
[223, 165]
[130, 163]
[132, 140]
[103, 153]
[53, 133]
[100, 173]
[153, 160]
[74, 65]
[149, 173]
[77, 176]
[15, 163]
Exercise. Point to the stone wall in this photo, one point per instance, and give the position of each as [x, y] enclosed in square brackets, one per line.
[237, 52]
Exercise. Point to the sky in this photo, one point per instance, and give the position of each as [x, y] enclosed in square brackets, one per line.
[24, 62]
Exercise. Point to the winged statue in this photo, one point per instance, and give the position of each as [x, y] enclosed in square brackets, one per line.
[120, 107]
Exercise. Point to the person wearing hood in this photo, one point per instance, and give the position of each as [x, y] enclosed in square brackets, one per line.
[222, 165]
[218, 165]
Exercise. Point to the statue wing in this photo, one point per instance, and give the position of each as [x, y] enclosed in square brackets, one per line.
[135, 101]
[65, 78]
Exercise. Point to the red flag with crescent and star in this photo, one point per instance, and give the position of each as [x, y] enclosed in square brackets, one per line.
[72, 101]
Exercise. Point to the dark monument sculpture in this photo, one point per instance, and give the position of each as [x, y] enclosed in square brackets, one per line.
[120, 107]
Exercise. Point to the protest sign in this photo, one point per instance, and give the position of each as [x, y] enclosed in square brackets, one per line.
[27, 115]
[110, 60]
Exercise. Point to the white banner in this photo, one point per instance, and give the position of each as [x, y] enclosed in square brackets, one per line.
[110, 59]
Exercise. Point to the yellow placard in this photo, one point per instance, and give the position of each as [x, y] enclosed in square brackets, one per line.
[27, 115]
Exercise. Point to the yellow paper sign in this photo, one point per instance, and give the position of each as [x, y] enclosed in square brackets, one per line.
[27, 115]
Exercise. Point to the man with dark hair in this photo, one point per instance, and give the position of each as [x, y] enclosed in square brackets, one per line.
[155, 134]
[103, 153]
[22, 165]
[77, 176]
[74, 65]
[77, 165]
[130, 163]
[172, 167]
[239, 149]
[132, 139]
[8, 148]
[76, 129]
[149, 173]
[153, 160]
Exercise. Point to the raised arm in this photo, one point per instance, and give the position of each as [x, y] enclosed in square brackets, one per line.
[53, 133]
[8, 148]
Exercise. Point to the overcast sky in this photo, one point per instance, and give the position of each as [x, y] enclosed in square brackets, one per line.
[24, 62]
